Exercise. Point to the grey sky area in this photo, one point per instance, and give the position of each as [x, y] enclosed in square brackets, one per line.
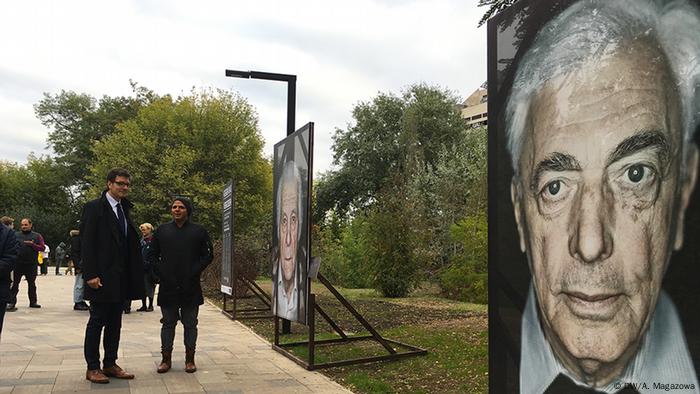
[341, 52]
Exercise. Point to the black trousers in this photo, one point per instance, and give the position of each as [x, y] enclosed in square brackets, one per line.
[187, 314]
[3, 305]
[29, 272]
[107, 315]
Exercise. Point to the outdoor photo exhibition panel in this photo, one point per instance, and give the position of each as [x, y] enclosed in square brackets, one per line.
[291, 243]
[593, 218]
[228, 271]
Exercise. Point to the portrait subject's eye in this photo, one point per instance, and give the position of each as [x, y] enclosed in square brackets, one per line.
[638, 176]
[638, 184]
[554, 191]
[553, 195]
[635, 173]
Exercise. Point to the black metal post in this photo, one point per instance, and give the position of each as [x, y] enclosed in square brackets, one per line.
[312, 331]
[291, 117]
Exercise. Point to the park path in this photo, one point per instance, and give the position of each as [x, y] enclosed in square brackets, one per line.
[41, 351]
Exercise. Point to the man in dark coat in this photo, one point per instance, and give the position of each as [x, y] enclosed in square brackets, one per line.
[74, 256]
[8, 255]
[112, 270]
[185, 250]
[31, 244]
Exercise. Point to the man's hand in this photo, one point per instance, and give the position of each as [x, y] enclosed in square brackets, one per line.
[95, 283]
[29, 242]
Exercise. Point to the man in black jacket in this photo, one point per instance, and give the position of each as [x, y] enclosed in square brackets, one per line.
[30, 245]
[113, 271]
[185, 250]
[74, 256]
[8, 254]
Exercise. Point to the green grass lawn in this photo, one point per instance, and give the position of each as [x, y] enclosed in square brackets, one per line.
[455, 334]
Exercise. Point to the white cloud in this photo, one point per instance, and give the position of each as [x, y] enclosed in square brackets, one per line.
[342, 53]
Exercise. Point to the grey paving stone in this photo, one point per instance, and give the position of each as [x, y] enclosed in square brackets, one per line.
[42, 351]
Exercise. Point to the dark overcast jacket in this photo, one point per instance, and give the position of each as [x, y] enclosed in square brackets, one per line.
[108, 254]
[184, 253]
[8, 255]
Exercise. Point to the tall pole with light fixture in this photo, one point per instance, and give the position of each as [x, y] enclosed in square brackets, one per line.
[291, 115]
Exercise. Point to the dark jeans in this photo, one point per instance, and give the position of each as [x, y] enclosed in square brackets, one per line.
[29, 272]
[3, 305]
[107, 315]
[187, 314]
[59, 263]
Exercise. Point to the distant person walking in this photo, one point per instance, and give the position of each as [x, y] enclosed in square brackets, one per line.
[150, 279]
[8, 255]
[30, 245]
[112, 268]
[74, 258]
[45, 259]
[181, 250]
[60, 257]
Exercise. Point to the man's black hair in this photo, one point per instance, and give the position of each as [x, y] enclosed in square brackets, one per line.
[186, 202]
[115, 172]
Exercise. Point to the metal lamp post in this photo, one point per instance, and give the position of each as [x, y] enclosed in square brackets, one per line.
[291, 114]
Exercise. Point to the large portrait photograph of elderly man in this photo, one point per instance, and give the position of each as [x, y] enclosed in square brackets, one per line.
[594, 217]
[291, 243]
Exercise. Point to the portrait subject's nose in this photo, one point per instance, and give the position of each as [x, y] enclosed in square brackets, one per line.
[287, 235]
[591, 239]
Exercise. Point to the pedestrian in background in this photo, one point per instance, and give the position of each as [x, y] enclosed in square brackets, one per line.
[30, 245]
[45, 260]
[8, 255]
[150, 278]
[74, 259]
[59, 257]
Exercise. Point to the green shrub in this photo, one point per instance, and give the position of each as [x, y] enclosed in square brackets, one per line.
[459, 284]
[466, 279]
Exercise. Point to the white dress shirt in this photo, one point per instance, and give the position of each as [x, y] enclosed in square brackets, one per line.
[286, 306]
[113, 203]
[662, 359]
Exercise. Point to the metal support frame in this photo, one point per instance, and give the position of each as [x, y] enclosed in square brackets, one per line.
[389, 345]
[248, 313]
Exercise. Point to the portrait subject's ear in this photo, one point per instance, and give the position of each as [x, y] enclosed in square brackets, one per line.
[686, 191]
[515, 197]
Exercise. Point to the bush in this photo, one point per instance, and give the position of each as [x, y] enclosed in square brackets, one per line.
[390, 236]
[246, 256]
[459, 283]
[344, 261]
[466, 279]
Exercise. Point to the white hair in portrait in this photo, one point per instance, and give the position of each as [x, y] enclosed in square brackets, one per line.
[596, 28]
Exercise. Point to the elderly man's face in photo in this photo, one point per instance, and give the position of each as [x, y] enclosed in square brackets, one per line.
[288, 228]
[600, 201]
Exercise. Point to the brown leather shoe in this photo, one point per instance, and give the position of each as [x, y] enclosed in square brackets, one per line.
[189, 361]
[96, 376]
[166, 363]
[116, 371]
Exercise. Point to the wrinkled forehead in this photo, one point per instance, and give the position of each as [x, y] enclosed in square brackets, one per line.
[605, 100]
[289, 194]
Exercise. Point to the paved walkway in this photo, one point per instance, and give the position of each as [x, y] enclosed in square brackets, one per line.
[41, 351]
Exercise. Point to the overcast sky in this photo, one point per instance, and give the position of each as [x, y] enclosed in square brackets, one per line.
[341, 52]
